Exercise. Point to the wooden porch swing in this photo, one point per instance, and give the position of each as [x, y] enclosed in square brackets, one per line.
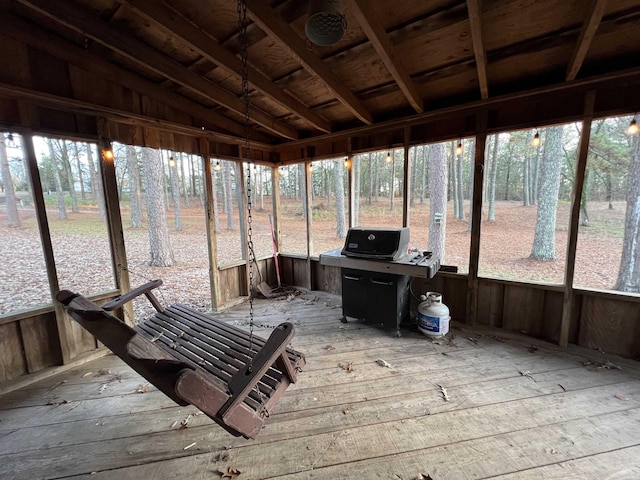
[233, 376]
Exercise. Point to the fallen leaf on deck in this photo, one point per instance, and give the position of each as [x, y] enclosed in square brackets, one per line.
[55, 404]
[156, 338]
[174, 425]
[383, 363]
[348, 367]
[526, 374]
[102, 372]
[189, 446]
[185, 422]
[532, 349]
[230, 472]
[473, 340]
[422, 476]
[329, 347]
[444, 393]
[142, 388]
[87, 374]
[621, 397]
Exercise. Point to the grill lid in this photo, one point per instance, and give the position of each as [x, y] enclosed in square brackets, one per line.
[376, 243]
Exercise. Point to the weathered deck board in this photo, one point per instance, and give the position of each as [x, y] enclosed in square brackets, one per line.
[518, 408]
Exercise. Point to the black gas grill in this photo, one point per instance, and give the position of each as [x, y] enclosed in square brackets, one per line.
[376, 269]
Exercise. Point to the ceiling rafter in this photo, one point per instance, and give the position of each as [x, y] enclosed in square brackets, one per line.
[82, 21]
[384, 48]
[479, 52]
[269, 20]
[40, 39]
[217, 54]
[587, 33]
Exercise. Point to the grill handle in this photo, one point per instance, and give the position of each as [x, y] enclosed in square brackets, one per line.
[381, 282]
[351, 277]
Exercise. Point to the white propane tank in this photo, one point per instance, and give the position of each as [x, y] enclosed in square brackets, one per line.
[433, 315]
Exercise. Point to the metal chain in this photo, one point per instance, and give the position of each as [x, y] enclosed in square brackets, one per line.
[242, 31]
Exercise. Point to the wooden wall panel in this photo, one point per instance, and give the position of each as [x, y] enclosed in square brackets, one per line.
[12, 361]
[40, 339]
[232, 283]
[549, 325]
[327, 279]
[490, 303]
[610, 325]
[523, 309]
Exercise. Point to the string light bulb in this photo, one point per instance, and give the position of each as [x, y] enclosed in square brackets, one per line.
[172, 162]
[107, 154]
[217, 166]
[459, 148]
[310, 167]
[536, 140]
[633, 127]
[347, 163]
[10, 141]
[388, 157]
[255, 168]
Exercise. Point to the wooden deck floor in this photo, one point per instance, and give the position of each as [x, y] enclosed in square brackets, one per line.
[515, 408]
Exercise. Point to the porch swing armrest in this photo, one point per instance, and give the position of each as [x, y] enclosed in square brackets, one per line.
[246, 378]
[144, 289]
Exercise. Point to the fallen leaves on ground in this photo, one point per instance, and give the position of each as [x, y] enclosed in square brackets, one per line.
[142, 388]
[230, 472]
[444, 393]
[348, 367]
[383, 363]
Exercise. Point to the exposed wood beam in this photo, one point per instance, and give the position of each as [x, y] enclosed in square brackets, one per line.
[382, 45]
[214, 52]
[269, 20]
[475, 22]
[39, 39]
[85, 22]
[120, 116]
[587, 33]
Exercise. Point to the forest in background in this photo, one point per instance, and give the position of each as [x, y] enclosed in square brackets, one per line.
[157, 203]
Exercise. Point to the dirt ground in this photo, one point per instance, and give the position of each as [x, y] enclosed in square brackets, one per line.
[83, 260]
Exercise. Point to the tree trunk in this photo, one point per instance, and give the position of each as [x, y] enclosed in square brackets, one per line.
[437, 200]
[62, 209]
[96, 184]
[609, 191]
[185, 192]
[216, 220]
[175, 194]
[458, 160]
[228, 200]
[83, 194]
[341, 225]
[494, 175]
[241, 213]
[370, 196]
[134, 187]
[303, 188]
[453, 182]
[159, 243]
[356, 188]
[544, 241]
[536, 176]
[472, 149]
[66, 164]
[392, 182]
[584, 214]
[629, 272]
[376, 177]
[423, 191]
[9, 191]
[414, 177]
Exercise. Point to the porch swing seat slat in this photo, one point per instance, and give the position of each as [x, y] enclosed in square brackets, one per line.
[195, 359]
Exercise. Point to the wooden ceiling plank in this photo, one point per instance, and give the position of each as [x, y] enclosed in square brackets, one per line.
[39, 39]
[475, 21]
[217, 54]
[382, 45]
[73, 16]
[73, 105]
[587, 33]
[269, 20]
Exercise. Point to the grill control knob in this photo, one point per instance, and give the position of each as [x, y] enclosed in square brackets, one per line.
[371, 237]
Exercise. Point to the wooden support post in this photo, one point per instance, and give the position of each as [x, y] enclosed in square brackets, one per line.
[212, 245]
[307, 190]
[406, 179]
[63, 322]
[114, 219]
[567, 304]
[275, 202]
[476, 218]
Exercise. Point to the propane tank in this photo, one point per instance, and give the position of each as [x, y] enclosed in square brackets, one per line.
[433, 315]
